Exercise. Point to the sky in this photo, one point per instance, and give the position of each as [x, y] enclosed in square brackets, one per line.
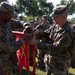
[12, 1]
[54, 1]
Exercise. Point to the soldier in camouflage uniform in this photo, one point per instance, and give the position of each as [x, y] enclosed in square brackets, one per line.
[8, 43]
[36, 21]
[16, 25]
[60, 34]
[40, 53]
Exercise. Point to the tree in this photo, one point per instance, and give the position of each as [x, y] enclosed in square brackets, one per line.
[63, 2]
[71, 7]
[44, 7]
[33, 7]
[70, 4]
[3, 0]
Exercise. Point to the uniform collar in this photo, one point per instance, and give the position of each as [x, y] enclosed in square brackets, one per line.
[65, 27]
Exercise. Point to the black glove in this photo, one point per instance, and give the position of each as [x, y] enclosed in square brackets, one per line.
[28, 30]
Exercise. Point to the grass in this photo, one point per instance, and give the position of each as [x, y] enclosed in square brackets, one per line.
[39, 72]
[71, 71]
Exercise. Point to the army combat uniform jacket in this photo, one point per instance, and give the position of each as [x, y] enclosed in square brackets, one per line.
[59, 49]
[8, 44]
[41, 52]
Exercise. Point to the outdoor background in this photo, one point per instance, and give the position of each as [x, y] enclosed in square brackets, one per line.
[29, 9]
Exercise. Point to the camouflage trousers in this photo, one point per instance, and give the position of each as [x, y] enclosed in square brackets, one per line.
[5, 67]
[58, 67]
[15, 69]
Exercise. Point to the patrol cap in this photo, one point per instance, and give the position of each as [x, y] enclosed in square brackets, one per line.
[36, 18]
[58, 10]
[31, 21]
[45, 16]
[26, 24]
[20, 17]
[4, 6]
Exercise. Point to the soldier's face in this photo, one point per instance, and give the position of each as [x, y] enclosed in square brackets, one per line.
[6, 17]
[57, 19]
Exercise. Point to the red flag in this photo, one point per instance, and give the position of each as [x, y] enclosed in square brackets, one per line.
[22, 53]
[34, 59]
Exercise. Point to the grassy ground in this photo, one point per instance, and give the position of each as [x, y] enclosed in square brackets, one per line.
[71, 71]
[39, 72]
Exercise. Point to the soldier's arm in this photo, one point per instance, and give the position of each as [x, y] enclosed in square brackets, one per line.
[16, 24]
[61, 45]
[4, 44]
[43, 33]
[28, 36]
[8, 46]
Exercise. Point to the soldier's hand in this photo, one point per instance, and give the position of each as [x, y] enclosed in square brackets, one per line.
[28, 37]
[28, 30]
[35, 31]
[33, 41]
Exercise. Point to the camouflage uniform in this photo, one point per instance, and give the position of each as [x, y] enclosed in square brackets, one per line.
[41, 53]
[47, 59]
[60, 60]
[8, 43]
[59, 49]
[15, 25]
[36, 21]
[73, 48]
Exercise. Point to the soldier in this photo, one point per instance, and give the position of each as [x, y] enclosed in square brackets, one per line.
[60, 34]
[36, 21]
[8, 43]
[26, 24]
[14, 17]
[40, 53]
[31, 23]
[21, 19]
[73, 50]
[47, 59]
[16, 25]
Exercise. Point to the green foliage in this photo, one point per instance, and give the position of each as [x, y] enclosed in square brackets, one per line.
[72, 20]
[64, 2]
[3, 0]
[71, 7]
[29, 18]
[33, 7]
[70, 4]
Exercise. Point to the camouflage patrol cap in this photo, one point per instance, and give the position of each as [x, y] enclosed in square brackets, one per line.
[36, 18]
[6, 7]
[31, 21]
[58, 10]
[26, 24]
[45, 16]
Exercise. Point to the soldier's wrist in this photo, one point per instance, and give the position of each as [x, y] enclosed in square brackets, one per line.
[40, 31]
[25, 38]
